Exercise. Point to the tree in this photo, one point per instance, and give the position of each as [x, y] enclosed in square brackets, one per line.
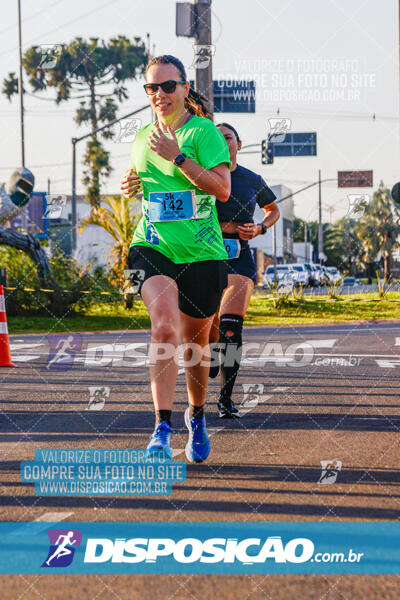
[343, 246]
[94, 73]
[119, 221]
[379, 228]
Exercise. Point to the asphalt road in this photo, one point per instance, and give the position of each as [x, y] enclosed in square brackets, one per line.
[328, 392]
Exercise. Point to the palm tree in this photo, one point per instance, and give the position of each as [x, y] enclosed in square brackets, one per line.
[118, 218]
[343, 246]
[379, 227]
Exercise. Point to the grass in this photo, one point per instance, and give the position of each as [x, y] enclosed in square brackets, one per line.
[107, 317]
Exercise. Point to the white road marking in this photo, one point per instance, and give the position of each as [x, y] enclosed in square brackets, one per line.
[280, 389]
[15, 347]
[24, 357]
[41, 523]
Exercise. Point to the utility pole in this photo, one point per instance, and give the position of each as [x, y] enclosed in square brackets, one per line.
[320, 232]
[21, 88]
[21, 104]
[305, 241]
[204, 80]
[149, 57]
[274, 251]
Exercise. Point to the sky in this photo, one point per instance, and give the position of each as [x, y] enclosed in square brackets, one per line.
[328, 66]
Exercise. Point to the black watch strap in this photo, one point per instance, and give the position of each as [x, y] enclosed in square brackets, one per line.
[180, 159]
[263, 228]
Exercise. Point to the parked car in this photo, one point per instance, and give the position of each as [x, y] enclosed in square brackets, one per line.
[303, 277]
[334, 273]
[319, 275]
[312, 278]
[285, 275]
[350, 281]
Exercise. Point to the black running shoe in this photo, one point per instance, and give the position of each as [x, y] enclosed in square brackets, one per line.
[227, 410]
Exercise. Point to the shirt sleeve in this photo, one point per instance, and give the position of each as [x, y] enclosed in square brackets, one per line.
[265, 195]
[211, 147]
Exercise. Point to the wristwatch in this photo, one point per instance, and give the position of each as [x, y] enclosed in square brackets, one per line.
[263, 228]
[179, 160]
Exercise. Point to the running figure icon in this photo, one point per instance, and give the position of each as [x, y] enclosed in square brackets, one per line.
[63, 351]
[62, 549]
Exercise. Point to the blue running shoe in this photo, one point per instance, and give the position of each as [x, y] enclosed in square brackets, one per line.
[160, 440]
[198, 446]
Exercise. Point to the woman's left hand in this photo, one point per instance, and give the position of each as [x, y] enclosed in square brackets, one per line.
[248, 231]
[162, 145]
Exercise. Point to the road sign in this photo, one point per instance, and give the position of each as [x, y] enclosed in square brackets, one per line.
[396, 192]
[267, 152]
[234, 96]
[295, 144]
[355, 179]
[37, 223]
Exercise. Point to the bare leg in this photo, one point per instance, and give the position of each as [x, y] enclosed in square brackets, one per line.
[196, 331]
[160, 295]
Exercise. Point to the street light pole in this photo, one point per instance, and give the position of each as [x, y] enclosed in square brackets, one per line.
[204, 80]
[320, 232]
[74, 142]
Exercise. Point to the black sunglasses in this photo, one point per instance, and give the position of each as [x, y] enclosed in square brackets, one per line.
[167, 86]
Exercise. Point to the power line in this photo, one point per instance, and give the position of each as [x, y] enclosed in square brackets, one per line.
[39, 12]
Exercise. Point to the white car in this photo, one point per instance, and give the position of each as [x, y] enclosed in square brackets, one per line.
[286, 275]
[334, 273]
[303, 275]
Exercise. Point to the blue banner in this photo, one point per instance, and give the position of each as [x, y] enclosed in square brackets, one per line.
[201, 548]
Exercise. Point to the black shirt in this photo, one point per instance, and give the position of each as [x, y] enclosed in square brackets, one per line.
[247, 189]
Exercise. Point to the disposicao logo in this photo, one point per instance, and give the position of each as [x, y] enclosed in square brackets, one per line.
[189, 550]
[62, 542]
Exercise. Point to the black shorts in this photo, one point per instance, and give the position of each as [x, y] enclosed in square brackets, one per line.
[244, 264]
[200, 284]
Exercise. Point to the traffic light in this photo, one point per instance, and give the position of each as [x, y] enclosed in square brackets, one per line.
[267, 152]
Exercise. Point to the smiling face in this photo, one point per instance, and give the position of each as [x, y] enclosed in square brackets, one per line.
[233, 145]
[167, 106]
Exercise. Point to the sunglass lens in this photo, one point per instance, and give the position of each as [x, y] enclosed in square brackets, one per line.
[168, 86]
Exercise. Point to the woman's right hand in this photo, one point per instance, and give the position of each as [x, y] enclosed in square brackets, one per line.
[131, 184]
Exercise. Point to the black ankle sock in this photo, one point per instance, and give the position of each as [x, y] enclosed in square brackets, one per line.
[196, 411]
[163, 415]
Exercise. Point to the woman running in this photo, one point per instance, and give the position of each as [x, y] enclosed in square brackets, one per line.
[182, 163]
[237, 225]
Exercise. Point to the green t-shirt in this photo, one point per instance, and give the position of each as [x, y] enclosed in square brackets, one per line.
[189, 240]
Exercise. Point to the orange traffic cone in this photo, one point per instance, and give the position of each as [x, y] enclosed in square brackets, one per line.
[5, 354]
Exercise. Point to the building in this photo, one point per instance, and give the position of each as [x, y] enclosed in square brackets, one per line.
[303, 251]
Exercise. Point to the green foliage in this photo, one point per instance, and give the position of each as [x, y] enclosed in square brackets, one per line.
[379, 228]
[334, 286]
[95, 73]
[279, 294]
[384, 285]
[27, 298]
[343, 243]
[119, 221]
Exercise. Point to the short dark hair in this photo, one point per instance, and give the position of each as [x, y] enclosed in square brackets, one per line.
[231, 128]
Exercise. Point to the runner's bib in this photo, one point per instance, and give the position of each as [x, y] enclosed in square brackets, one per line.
[172, 206]
[232, 246]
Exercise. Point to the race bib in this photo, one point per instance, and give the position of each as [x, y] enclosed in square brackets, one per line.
[232, 247]
[172, 206]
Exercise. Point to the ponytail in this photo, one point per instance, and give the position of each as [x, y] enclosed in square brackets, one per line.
[195, 103]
